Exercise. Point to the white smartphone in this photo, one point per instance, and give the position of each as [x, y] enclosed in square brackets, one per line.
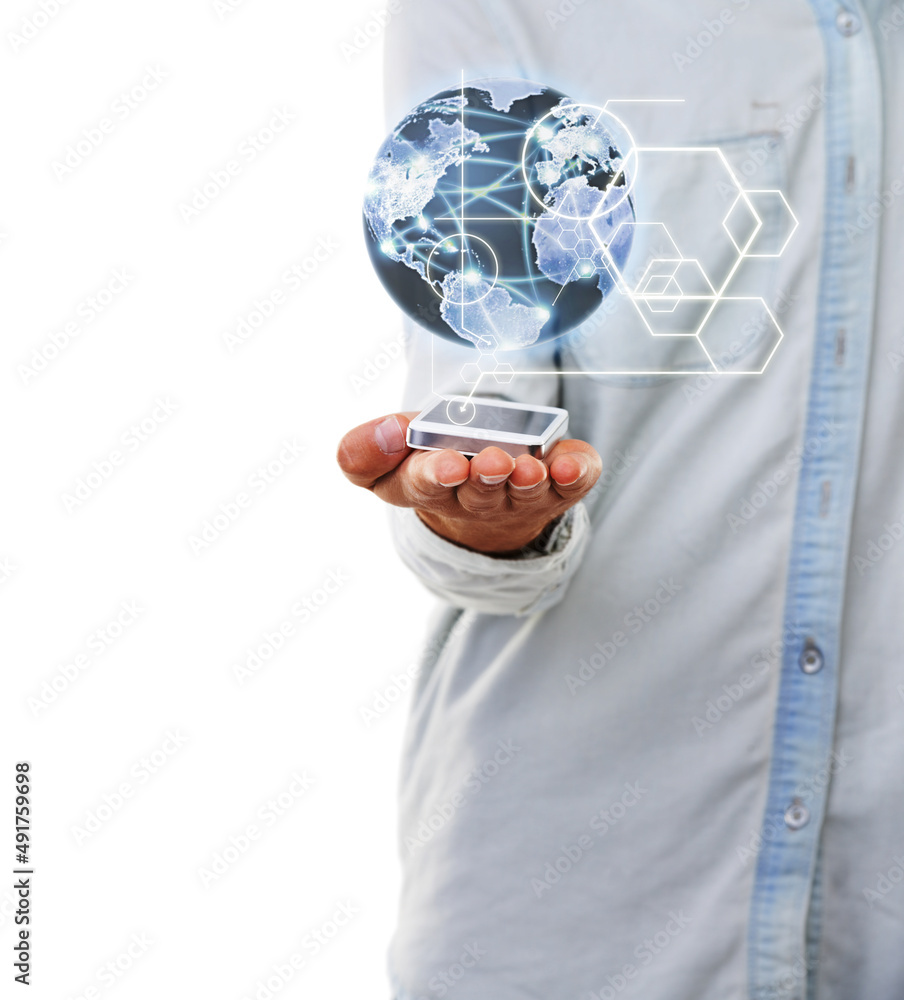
[471, 423]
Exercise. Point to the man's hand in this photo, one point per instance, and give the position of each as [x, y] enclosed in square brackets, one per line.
[492, 503]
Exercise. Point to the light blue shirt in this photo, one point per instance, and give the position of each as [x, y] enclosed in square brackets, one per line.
[664, 758]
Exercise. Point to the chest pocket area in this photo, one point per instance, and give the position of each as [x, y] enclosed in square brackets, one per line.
[700, 291]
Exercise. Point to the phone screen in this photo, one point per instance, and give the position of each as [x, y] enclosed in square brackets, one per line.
[486, 416]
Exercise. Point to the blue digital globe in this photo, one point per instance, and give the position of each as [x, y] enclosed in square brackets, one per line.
[500, 213]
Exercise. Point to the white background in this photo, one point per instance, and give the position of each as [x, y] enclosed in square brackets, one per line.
[72, 564]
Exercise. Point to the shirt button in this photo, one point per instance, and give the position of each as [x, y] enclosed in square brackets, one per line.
[847, 23]
[796, 816]
[811, 659]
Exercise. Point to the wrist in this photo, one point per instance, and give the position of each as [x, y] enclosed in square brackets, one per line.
[489, 539]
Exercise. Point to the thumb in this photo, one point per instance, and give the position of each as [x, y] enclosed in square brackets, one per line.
[373, 449]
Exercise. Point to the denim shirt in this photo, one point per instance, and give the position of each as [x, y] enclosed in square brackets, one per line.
[663, 756]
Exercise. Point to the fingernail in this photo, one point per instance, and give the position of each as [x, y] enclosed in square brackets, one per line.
[570, 482]
[457, 482]
[493, 480]
[389, 436]
[532, 486]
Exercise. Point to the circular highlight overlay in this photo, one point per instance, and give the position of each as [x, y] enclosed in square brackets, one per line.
[469, 256]
[460, 411]
[568, 142]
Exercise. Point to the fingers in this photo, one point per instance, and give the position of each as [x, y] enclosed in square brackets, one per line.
[376, 457]
[485, 491]
[574, 467]
[447, 482]
[425, 479]
[373, 449]
[529, 483]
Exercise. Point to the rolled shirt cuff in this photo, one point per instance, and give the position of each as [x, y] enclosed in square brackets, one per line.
[532, 581]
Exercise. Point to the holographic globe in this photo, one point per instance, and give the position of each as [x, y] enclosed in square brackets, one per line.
[501, 213]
